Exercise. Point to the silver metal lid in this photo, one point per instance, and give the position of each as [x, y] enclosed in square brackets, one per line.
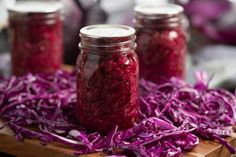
[166, 9]
[25, 7]
[107, 31]
[107, 37]
[154, 16]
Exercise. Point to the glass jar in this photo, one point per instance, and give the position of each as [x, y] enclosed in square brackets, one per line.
[107, 77]
[36, 36]
[161, 41]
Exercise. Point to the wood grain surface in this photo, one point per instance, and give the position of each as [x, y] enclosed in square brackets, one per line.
[33, 148]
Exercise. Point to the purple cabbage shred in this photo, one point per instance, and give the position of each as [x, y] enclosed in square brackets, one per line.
[172, 115]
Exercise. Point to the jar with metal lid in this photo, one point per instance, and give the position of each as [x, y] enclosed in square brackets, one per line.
[161, 41]
[107, 77]
[36, 36]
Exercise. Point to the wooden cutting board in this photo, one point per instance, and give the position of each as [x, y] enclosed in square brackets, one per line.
[33, 148]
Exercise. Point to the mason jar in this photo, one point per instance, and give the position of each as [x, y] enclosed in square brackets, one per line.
[35, 29]
[161, 41]
[107, 77]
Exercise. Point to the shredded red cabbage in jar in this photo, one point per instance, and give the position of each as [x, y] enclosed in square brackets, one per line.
[36, 37]
[107, 78]
[172, 115]
[108, 90]
[160, 42]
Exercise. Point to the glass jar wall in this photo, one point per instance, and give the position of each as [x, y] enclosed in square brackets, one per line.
[36, 36]
[107, 77]
[160, 42]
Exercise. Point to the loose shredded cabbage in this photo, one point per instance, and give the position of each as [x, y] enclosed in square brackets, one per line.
[172, 115]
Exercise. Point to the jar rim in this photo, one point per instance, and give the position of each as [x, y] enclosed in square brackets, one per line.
[35, 7]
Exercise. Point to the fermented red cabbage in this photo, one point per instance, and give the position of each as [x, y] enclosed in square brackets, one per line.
[172, 115]
[107, 90]
[161, 54]
[36, 43]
